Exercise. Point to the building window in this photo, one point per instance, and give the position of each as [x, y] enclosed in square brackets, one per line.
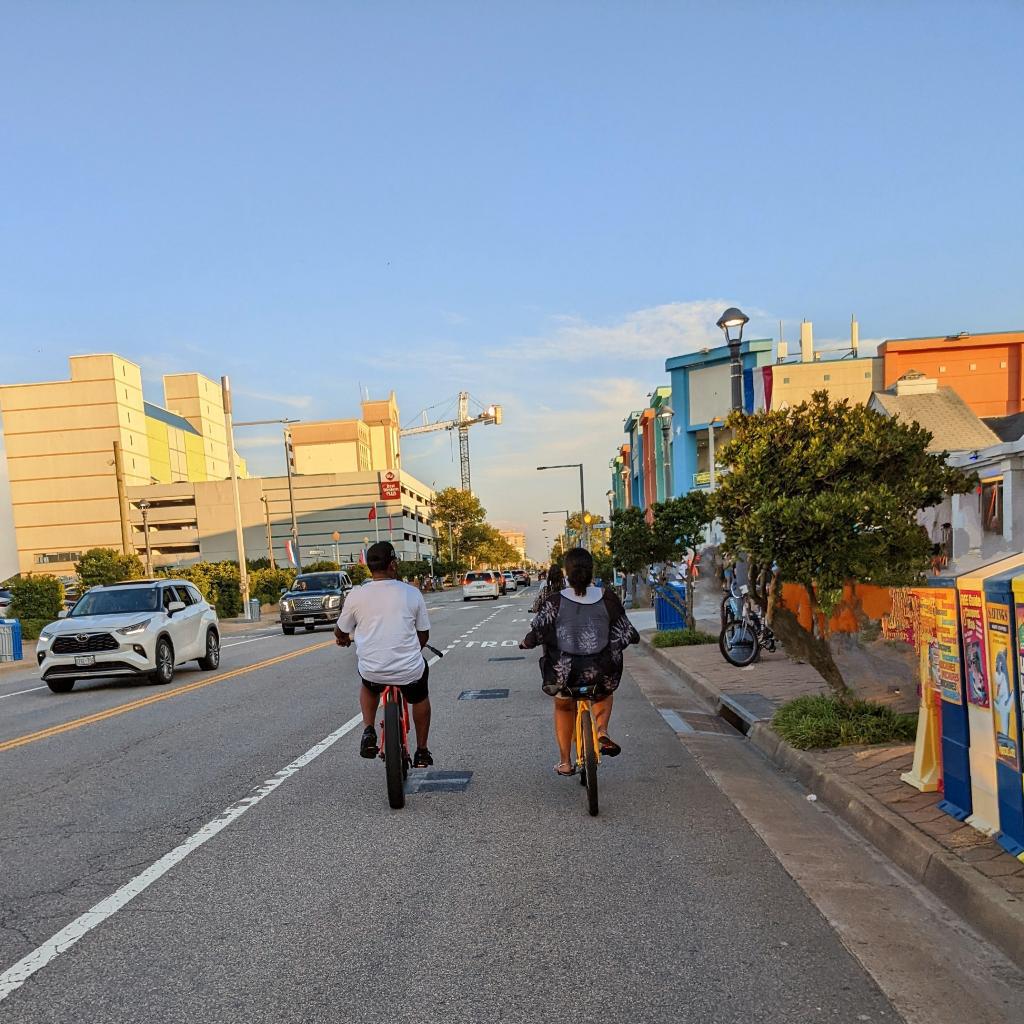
[58, 556]
[942, 369]
[828, 376]
[785, 380]
[974, 366]
[867, 375]
[992, 506]
[1002, 364]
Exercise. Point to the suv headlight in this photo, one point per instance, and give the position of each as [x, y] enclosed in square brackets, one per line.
[136, 627]
[286, 606]
[46, 635]
[334, 601]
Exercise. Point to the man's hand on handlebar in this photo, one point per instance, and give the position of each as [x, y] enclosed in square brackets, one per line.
[342, 639]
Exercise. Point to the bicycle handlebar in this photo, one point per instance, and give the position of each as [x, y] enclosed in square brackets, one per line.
[440, 654]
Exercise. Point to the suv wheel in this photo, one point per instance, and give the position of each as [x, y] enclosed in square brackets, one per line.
[288, 630]
[164, 671]
[60, 685]
[212, 658]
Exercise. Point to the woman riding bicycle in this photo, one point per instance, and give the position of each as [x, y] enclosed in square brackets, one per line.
[584, 631]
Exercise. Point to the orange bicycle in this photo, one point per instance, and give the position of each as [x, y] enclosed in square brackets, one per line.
[588, 750]
[394, 748]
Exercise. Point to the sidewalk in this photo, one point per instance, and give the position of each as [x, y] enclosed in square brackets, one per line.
[967, 870]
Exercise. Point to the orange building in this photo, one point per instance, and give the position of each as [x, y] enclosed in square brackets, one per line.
[985, 370]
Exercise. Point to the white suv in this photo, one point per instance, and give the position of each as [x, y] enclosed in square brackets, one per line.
[137, 628]
[481, 584]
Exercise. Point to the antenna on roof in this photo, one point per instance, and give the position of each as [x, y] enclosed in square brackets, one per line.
[783, 345]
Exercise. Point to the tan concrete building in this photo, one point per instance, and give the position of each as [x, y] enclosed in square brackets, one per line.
[517, 538]
[59, 442]
[350, 446]
[191, 522]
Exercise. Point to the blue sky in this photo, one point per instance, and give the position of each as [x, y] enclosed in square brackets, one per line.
[534, 201]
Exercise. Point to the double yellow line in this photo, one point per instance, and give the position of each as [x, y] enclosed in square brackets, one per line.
[123, 709]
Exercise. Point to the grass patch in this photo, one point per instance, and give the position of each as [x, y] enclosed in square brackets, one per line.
[682, 638]
[821, 721]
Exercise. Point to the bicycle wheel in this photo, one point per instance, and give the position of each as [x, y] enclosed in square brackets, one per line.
[738, 644]
[589, 763]
[393, 755]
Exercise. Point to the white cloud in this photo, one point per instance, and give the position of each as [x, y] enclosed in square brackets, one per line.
[655, 332]
[291, 401]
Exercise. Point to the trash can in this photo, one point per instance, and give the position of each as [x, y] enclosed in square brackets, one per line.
[669, 600]
[10, 640]
[254, 610]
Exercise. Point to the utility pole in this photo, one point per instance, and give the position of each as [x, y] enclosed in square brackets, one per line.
[416, 519]
[291, 495]
[270, 537]
[127, 547]
[243, 569]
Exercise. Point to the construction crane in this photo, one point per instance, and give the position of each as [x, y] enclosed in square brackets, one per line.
[462, 422]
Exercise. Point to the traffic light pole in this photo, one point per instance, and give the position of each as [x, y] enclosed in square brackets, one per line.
[291, 495]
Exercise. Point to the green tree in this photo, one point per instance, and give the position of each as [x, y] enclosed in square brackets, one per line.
[321, 566]
[99, 567]
[266, 584]
[456, 511]
[35, 600]
[679, 527]
[218, 582]
[826, 492]
[358, 573]
[631, 541]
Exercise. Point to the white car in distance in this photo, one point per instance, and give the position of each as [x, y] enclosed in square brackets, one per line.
[141, 628]
[481, 584]
[511, 586]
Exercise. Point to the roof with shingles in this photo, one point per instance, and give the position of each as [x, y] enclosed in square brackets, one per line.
[953, 424]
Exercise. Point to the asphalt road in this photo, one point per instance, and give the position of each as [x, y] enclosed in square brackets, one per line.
[310, 900]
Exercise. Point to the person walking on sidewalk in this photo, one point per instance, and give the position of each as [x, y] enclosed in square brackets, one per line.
[584, 631]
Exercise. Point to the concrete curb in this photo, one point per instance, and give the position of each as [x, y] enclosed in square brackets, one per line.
[991, 910]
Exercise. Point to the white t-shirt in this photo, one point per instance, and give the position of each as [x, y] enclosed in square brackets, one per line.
[383, 617]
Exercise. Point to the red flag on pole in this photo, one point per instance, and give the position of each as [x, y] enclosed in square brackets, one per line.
[372, 514]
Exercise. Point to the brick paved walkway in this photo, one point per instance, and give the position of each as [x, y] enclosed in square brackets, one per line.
[875, 769]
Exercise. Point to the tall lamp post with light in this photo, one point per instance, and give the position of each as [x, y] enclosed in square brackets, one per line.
[665, 416]
[583, 500]
[144, 506]
[731, 322]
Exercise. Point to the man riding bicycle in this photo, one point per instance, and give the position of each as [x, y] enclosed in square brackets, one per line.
[388, 620]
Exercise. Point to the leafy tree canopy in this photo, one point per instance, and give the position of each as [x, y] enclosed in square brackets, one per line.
[99, 567]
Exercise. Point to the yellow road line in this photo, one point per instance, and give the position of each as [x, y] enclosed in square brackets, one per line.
[121, 709]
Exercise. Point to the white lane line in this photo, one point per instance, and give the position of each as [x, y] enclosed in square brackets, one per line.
[18, 692]
[238, 643]
[14, 977]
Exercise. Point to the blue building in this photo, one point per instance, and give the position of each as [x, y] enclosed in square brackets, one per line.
[702, 396]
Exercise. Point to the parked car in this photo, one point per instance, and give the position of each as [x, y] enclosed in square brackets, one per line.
[315, 599]
[481, 584]
[5, 602]
[510, 582]
[522, 577]
[139, 628]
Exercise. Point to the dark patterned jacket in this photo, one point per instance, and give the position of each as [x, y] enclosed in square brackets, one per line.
[561, 671]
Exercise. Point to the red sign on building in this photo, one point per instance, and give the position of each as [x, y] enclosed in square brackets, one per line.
[390, 486]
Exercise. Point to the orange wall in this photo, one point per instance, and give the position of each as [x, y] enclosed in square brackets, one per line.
[874, 602]
[984, 369]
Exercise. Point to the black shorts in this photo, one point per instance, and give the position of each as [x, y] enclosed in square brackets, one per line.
[414, 693]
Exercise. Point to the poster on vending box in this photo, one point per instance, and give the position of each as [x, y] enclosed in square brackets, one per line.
[1004, 702]
[975, 665]
[939, 630]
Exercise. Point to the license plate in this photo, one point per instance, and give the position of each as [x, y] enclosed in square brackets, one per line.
[84, 661]
[309, 622]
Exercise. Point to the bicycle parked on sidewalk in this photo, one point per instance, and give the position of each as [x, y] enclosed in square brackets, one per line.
[744, 632]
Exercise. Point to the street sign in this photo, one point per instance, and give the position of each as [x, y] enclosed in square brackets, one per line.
[390, 486]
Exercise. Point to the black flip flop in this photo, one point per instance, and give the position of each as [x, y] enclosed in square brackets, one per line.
[609, 748]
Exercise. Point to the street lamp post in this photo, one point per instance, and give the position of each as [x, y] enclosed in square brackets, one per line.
[610, 495]
[143, 506]
[665, 415]
[584, 539]
[731, 320]
[243, 568]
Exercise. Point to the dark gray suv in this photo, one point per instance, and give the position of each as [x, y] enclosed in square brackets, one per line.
[315, 599]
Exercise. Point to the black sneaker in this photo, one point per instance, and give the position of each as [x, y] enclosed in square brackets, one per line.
[368, 744]
[422, 758]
